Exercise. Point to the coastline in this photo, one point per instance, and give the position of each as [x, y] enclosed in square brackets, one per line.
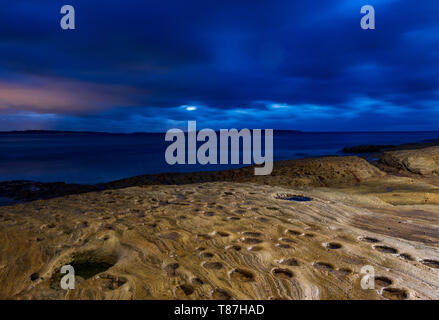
[17, 191]
[232, 235]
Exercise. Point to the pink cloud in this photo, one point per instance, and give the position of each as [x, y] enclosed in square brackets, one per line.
[61, 96]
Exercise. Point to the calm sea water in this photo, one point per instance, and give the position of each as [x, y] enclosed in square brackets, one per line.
[93, 158]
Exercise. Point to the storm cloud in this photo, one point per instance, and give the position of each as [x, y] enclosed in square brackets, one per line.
[152, 65]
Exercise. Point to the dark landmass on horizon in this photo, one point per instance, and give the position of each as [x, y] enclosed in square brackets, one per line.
[146, 132]
[117, 133]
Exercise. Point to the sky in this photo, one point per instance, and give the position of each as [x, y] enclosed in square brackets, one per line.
[152, 65]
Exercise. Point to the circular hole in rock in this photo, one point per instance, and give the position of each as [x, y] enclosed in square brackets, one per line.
[86, 265]
[34, 276]
[242, 275]
[293, 232]
[213, 265]
[251, 240]
[344, 271]
[187, 289]
[87, 269]
[207, 255]
[383, 281]
[369, 239]
[332, 245]
[197, 281]
[431, 263]
[386, 249]
[252, 234]
[394, 293]
[283, 245]
[234, 247]
[406, 256]
[282, 273]
[323, 266]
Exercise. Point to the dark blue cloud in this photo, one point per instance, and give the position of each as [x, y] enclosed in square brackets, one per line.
[132, 65]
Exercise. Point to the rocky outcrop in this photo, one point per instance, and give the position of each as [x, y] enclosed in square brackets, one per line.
[318, 172]
[219, 240]
[420, 161]
[327, 171]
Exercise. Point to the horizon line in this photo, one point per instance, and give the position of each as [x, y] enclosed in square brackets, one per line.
[30, 131]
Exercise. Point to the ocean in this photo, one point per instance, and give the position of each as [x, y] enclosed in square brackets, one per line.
[89, 158]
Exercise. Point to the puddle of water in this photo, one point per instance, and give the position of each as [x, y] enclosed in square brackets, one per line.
[298, 199]
[83, 271]
[87, 270]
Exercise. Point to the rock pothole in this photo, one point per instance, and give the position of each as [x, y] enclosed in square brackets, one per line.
[252, 234]
[385, 249]
[282, 273]
[206, 255]
[213, 265]
[394, 293]
[406, 256]
[293, 232]
[332, 245]
[383, 281]
[368, 239]
[86, 265]
[323, 266]
[431, 263]
[242, 275]
[250, 240]
[186, 289]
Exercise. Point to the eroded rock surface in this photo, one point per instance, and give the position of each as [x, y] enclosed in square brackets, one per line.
[305, 232]
[214, 240]
[420, 161]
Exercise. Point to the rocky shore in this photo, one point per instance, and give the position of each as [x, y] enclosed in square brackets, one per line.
[304, 232]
